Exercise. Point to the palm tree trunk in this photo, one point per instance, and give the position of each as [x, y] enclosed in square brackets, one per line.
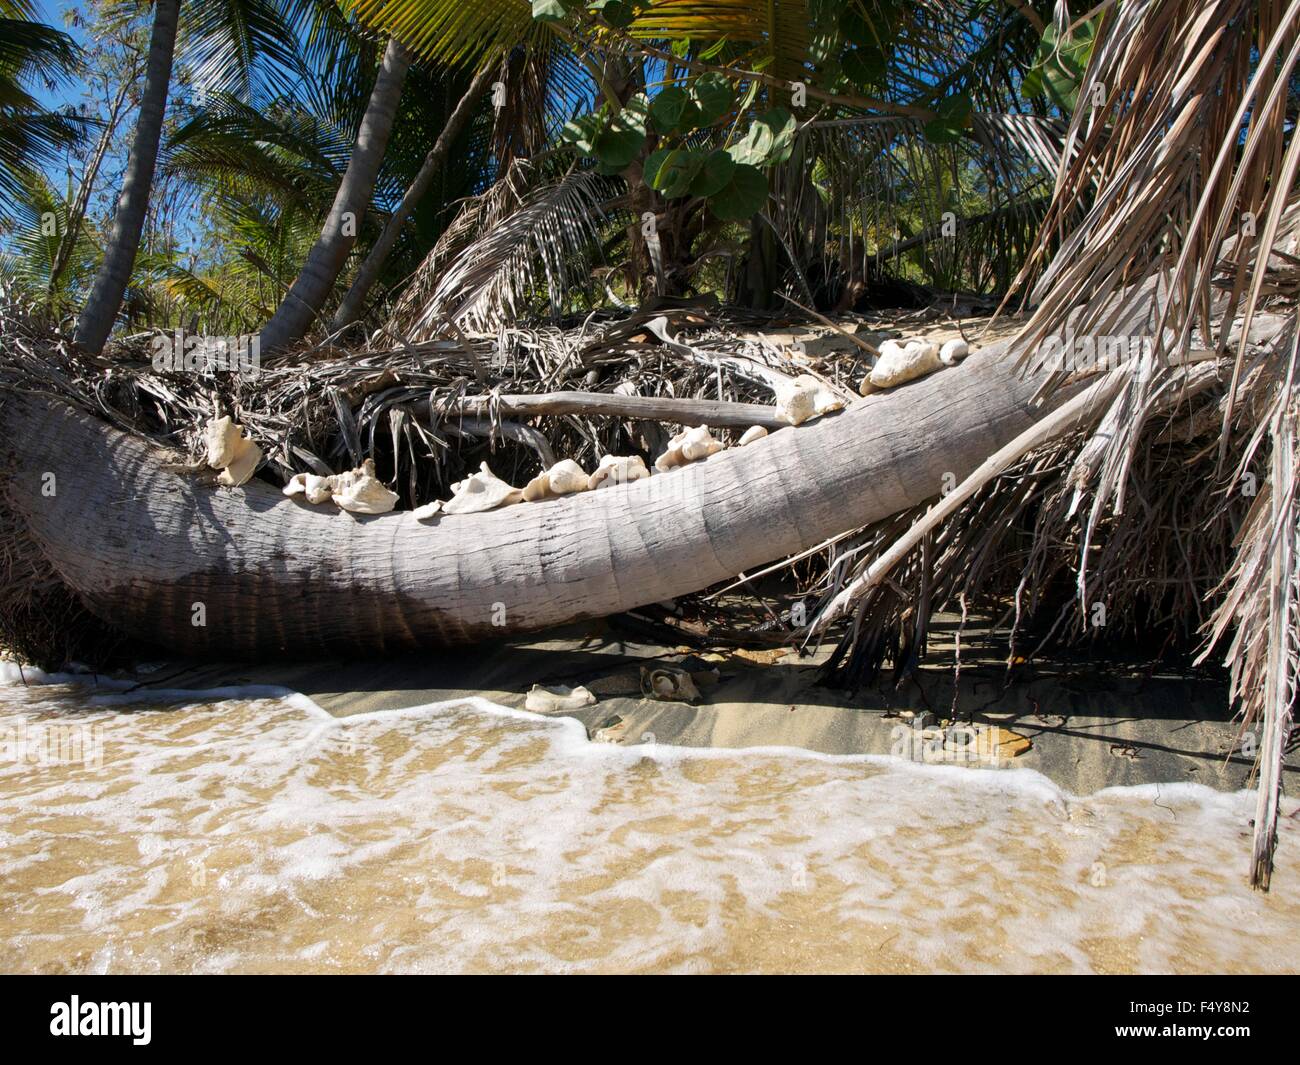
[97, 317]
[153, 552]
[350, 309]
[325, 261]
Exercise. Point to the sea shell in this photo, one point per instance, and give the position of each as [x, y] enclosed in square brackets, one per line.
[361, 492]
[562, 479]
[230, 451]
[805, 398]
[754, 432]
[222, 436]
[429, 510]
[617, 469]
[953, 351]
[557, 698]
[669, 685]
[690, 445]
[314, 488]
[479, 492]
[898, 364]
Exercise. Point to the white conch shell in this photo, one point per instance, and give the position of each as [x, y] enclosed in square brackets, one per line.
[429, 510]
[313, 487]
[617, 469]
[565, 477]
[558, 698]
[953, 352]
[690, 445]
[479, 492]
[361, 492]
[898, 364]
[803, 398]
[754, 432]
[230, 451]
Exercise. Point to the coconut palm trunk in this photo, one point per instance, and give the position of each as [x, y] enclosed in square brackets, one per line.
[305, 298]
[252, 573]
[353, 303]
[100, 311]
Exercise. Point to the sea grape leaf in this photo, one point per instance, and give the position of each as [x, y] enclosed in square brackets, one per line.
[673, 170]
[769, 140]
[669, 107]
[1060, 63]
[714, 174]
[952, 117]
[713, 96]
[742, 196]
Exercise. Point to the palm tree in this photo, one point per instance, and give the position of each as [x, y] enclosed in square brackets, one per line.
[100, 312]
[31, 136]
[305, 298]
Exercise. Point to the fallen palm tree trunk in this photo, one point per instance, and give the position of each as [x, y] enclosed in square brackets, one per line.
[169, 558]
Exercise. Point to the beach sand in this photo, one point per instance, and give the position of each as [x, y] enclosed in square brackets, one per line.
[1089, 725]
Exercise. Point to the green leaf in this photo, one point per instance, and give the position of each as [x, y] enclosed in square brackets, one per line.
[769, 140]
[549, 10]
[952, 118]
[714, 97]
[1060, 64]
[855, 28]
[618, 13]
[581, 132]
[673, 170]
[616, 148]
[864, 67]
[668, 108]
[742, 196]
[714, 174]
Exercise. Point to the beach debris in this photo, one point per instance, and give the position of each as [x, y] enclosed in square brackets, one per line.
[313, 487]
[617, 469]
[557, 699]
[690, 445]
[230, 451]
[611, 731]
[480, 492]
[669, 685]
[804, 398]
[359, 491]
[953, 351]
[899, 363]
[428, 510]
[562, 479]
[754, 432]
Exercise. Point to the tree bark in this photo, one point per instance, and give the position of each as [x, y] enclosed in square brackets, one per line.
[252, 573]
[350, 309]
[100, 311]
[305, 298]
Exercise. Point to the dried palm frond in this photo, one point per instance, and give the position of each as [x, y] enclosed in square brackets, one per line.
[527, 234]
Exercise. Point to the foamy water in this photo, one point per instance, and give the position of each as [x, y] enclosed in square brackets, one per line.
[253, 835]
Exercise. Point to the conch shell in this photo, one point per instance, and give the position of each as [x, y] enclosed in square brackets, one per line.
[690, 445]
[479, 492]
[901, 363]
[315, 488]
[754, 432]
[617, 469]
[358, 491]
[361, 492]
[230, 451]
[562, 479]
[804, 398]
[953, 352]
